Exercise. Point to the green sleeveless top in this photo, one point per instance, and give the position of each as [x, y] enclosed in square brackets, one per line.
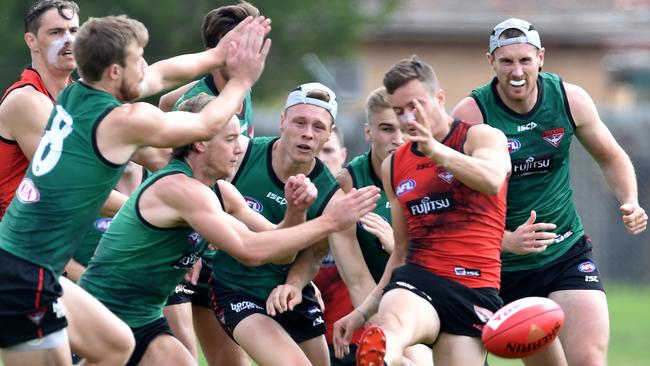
[137, 265]
[65, 185]
[363, 175]
[539, 143]
[207, 86]
[264, 192]
[94, 234]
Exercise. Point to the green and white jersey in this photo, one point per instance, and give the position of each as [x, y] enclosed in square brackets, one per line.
[539, 143]
[90, 241]
[137, 265]
[264, 192]
[66, 183]
[363, 175]
[207, 86]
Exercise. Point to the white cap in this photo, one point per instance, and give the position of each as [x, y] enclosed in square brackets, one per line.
[299, 96]
[531, 36]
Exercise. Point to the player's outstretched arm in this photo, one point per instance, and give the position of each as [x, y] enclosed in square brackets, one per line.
[236, 45]
[198, 206]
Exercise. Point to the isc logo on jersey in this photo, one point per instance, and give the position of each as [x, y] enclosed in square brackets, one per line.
[277, 198]
[254, 204]
[405, 186]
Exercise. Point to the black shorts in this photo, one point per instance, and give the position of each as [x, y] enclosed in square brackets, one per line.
[145, 335]
[196, 294]
[29, 301]
[574, 270]
[462, 310]
[304, 322]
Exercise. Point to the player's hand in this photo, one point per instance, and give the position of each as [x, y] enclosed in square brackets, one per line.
[377, 226]
[245, 58]
[283, 298]
[356, 203]
[192, 275]
[343, 329]
[530, 237]
[416, 123]
[300, 192]
[634, 218]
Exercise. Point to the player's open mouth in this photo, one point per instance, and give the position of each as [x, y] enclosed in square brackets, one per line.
[518, 83]
[304, 148]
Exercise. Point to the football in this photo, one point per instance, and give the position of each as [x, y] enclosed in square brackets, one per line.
[523, 327]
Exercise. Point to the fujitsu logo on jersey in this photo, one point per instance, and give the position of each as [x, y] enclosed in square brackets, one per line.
[254, 204]
[532, 165]
[405, 186]
[433, 203]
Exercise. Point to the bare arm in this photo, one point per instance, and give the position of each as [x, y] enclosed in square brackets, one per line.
[612, 159]
[467, 110]
[348, 256]
[486, 163]
[113, 203]
[171, 72]
[176, 199]
[167, 101]
[23, 117]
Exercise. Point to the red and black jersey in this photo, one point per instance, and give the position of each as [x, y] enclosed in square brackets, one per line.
[13, 162]
[453, 231]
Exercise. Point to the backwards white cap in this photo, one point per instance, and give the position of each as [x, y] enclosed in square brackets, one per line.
[299, 96]
[531, 36]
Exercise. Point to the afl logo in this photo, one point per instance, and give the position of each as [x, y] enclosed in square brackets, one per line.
[405, 186]
[102, 224]
[586, 267]
[254, 204]
[513, 145]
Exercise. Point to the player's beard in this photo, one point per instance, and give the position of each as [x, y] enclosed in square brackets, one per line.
[128, 93]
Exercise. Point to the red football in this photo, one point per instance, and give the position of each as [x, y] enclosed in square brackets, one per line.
[523, 327]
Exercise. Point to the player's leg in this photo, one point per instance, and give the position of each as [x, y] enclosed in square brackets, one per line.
[419, 354]
[179, 316]
[218, 348]
[267, 342]
[585, 334]
[165, 349]
[457, 350]
[96, 334]
[51, 350]
[316, 350]
[32, 319]
[155, 345]
[405, 319]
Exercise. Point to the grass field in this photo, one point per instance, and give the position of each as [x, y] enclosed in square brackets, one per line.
[629, 343]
